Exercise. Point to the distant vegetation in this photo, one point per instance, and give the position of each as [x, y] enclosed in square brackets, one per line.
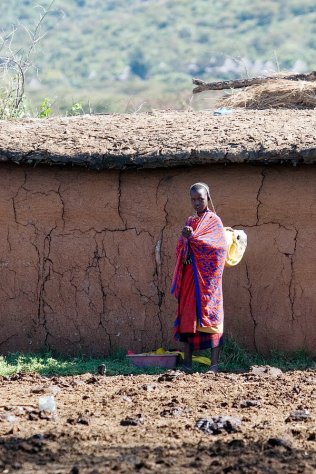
[127, 55]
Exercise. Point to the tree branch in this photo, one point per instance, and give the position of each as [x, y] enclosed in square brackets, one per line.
[239, 83]
[16, 63]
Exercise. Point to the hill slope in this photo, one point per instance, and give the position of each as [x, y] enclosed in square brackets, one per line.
[109, 50]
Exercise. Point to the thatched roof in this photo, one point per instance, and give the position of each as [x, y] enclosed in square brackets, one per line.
[279, 94]
[162, 139]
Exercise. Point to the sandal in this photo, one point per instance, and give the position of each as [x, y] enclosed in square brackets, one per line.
[213, 369]
[186, 369]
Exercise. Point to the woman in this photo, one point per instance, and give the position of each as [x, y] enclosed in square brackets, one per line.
[197, 280]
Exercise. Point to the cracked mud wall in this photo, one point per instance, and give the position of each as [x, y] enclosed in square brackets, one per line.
[87, 257]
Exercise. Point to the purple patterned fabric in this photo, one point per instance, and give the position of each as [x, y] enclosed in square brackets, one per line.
[207, 247]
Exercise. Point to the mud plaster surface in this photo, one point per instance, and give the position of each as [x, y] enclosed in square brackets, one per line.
[162, 139]
[86, 258]
[87, 436]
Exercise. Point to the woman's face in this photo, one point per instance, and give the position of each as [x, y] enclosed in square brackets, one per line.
[199, 200]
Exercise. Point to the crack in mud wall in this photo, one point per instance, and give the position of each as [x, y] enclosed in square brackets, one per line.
[87, 257]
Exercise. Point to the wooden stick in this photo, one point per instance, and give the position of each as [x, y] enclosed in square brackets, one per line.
[19, 405]
[239, 83]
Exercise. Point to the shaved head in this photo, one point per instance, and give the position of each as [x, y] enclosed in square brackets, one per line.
[201, 187]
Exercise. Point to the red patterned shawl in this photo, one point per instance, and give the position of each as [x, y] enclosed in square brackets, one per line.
[207, 248]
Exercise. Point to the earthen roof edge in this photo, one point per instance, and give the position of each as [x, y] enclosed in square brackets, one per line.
[162, 139]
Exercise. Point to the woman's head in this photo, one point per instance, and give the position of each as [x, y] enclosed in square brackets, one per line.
[200, 196]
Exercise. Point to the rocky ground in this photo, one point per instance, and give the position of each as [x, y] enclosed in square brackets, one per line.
[257, 422]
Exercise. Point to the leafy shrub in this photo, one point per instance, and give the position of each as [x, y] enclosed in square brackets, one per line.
[45, 109]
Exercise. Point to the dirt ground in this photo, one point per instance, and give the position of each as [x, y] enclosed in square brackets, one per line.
[149, 423]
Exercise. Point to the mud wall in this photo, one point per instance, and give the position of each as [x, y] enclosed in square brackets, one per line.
[87, 257]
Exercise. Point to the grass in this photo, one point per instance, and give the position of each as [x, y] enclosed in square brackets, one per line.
[49, 364]
[233, 358]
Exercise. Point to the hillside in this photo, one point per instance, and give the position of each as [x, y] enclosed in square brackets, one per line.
[118, 54]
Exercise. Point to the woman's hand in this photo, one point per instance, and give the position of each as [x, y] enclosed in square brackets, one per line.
[187, 231]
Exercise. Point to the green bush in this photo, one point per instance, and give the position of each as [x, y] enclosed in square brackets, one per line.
[45, 109]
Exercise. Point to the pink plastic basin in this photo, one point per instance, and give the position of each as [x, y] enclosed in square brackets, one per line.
[168, 361]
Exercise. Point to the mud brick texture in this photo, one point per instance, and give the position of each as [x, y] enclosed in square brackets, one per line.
[87, 252]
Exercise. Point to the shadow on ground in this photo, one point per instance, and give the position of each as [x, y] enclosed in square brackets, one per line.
[51, 454]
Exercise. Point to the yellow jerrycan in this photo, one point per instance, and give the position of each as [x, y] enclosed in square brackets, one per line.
[236, 245]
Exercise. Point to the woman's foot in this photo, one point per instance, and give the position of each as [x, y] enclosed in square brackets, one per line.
[186, 368]
[213, 369]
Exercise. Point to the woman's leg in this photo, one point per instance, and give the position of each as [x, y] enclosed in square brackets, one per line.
[214, 359]
[187, 355]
